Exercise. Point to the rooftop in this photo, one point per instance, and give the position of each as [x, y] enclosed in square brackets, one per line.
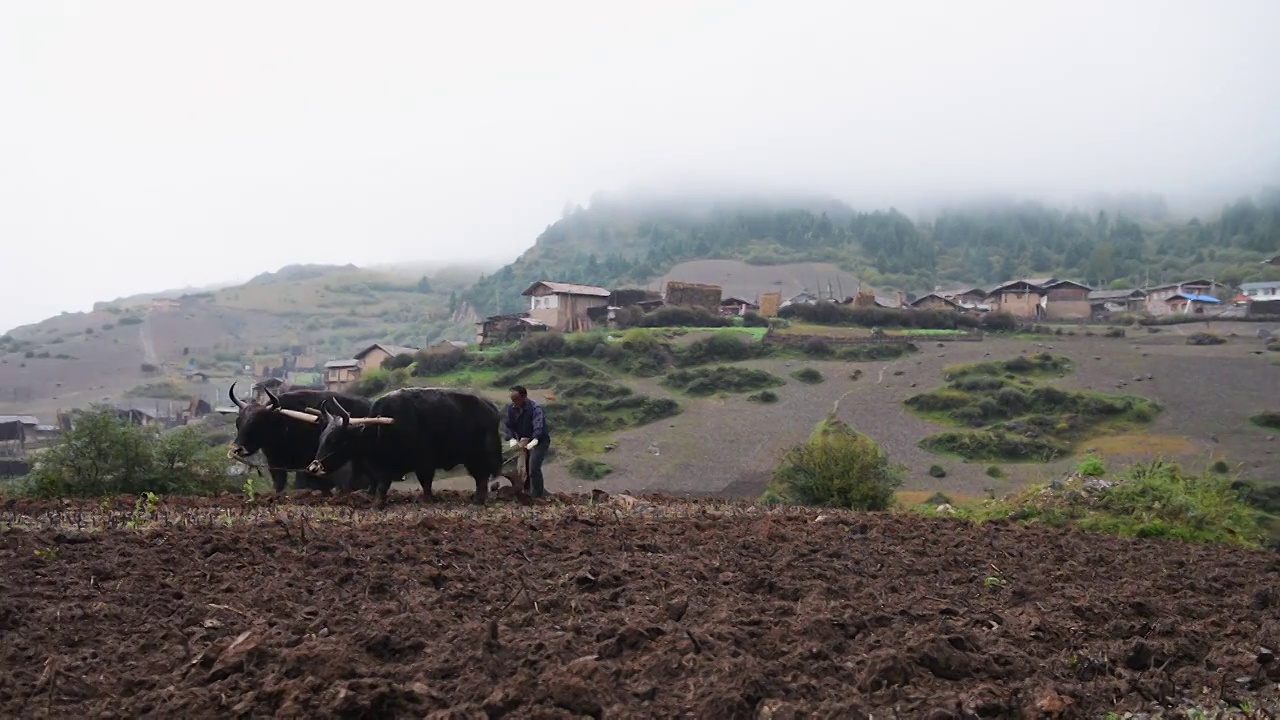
[343, 363]
[1115, 294]
[561, 288]
[24, 419]
[1196, 298]
[388, 349]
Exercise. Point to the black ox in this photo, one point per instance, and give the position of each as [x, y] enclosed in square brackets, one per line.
[286, 429]
[418, 430]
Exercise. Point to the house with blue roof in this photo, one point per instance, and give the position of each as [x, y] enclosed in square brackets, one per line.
[1160, 297]
[1189, 303]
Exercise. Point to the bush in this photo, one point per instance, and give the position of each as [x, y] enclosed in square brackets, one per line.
[836, 467]
[721, 378]
[395, 362]
[1221, 467]
[672, 316]
[1269, 419]
[1151, 500]
[1114, 332]
[825, 313]
[377, 382]
[999, 322]
[764, 397]
[587, 469]
[437, 362]
[130, 320]
[995, 445]
[102, 455]
[754, 319]
[817, 347]
[809, 376]
[994, 471]
[875, 351]
[720, 346]
[937, 471]
[1092, 467]
[593, 389]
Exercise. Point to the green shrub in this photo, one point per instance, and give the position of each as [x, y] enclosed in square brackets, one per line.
[720, 346]
[1221, 467]
[587, 469]
[1269, 419]
[754, 319]
[836, 467]
[937, 471]
[430, 363]
[593, 389]
[764, 397]
[102, 455]
[377, 382]
[395, 362]
[994, 471]
[130, 320]
[875, 351]
[808, 376]
[1150, 500]
[672, 316]
[1092, 467]
[721, 378]
[995, 445]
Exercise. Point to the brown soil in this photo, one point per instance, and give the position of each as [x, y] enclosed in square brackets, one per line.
[630, 608]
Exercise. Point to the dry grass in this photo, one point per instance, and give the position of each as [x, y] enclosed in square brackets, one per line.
[824, 331]
[1142, 445]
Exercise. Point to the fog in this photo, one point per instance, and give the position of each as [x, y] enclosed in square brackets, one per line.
[148, 145]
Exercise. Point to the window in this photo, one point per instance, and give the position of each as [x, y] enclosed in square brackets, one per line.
[544, 302]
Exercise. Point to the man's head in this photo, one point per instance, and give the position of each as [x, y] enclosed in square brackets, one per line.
[519, 395]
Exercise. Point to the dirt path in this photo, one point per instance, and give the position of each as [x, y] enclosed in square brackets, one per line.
[635, 610]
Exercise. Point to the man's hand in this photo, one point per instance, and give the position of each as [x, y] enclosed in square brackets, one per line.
[524, 443]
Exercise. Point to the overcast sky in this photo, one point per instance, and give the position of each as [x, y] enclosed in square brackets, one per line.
[150, 145]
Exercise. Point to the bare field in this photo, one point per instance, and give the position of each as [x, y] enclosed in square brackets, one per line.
[634, 607]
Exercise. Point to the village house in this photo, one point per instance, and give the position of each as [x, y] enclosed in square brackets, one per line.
[338, 374]
[450, 344]
[372, 357]
[1255, 291]
[1020, 298]
[501, 329]
[972, 298]
[563, 306]
[15, 432]
[1159, 295]
[934, 301]
[737, 306]
[1188, 303]
[1067, 300]
[1106, 302]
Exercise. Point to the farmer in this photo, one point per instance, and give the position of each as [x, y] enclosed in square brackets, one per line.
[527, 422]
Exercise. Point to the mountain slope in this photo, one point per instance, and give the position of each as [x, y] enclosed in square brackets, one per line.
[320, 312]
[626, 240]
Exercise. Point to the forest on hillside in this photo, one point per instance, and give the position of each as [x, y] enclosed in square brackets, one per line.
[619, 241]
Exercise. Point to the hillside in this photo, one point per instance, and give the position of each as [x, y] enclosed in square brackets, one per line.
[323, 311]
[636, 241]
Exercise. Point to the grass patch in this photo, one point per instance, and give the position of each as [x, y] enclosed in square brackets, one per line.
[808, 376]
[764, 397]
[701, 382]
[1015, 419]
[167, 390]
[594, 416]
[549, 373]
[1269, 420]
[1153, 499]
[588, 469]
[995, 472]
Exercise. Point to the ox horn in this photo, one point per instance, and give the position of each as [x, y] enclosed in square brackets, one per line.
[274, 402]
[342, 412]
[297, 415]
[232, 394]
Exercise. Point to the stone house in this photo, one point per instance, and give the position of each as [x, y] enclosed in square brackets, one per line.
[1020, 298]
[934, 301]
[1158, 296]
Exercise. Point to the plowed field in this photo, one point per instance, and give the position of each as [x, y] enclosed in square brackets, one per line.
[624, 608]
